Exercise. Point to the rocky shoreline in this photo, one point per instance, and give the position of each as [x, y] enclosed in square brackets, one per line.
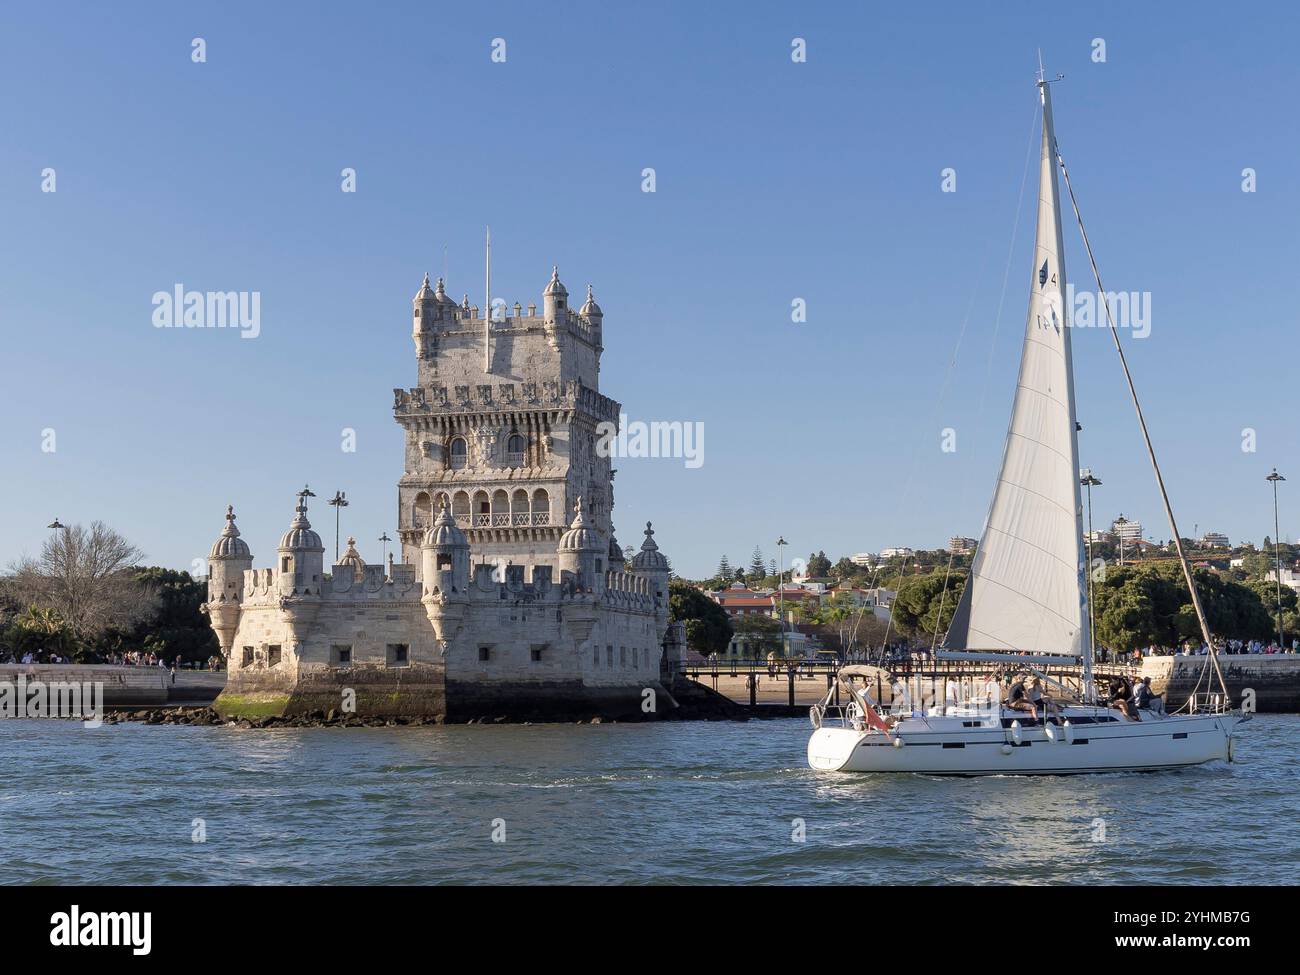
[693, 702]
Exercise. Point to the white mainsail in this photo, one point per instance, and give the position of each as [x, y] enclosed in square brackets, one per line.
[1027, 590]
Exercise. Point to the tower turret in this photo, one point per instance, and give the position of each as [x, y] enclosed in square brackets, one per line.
[651, 564]
[445, 555]
[302, 556]
[351, 559]
[616, 561]
[592, 313]
[229, 559]
[582, 552]
[555, 300]
[445, 564]
[423, 311]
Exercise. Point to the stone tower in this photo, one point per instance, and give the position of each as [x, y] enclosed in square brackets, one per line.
[229, 559]
[502, 426]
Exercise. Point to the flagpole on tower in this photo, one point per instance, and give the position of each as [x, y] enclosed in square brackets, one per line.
[487, 306]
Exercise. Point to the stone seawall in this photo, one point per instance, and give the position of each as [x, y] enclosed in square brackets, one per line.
[416, 691]
[1275, 679]
[123, 686]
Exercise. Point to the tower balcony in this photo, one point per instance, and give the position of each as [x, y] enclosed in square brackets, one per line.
[504, 519]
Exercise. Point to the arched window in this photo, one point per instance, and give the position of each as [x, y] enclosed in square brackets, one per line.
[516, 446]
[460, 508]
[500, 509]
[519, 513]
[541, 507]
[421, 513]
[457, 453]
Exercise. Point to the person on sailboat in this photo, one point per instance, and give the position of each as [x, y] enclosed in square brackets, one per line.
[1041, 700]
[1147, 700]
[1121, 697]
[1018, 699]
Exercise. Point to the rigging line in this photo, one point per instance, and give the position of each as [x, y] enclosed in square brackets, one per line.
[1146, 436]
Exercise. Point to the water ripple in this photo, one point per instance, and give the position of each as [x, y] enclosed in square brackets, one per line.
[674, 803]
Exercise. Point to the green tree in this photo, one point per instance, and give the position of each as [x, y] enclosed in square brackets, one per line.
[760, 632]
[708, 628]
[926, 601]
[1137, 606]
[757, 568]
[819, 566]
[40, 631]
[177, 629]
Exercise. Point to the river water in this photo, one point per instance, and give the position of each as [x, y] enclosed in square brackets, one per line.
[680, 803]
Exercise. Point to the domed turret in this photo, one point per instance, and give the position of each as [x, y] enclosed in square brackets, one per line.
[590, 309]
[581, 537]
[650, 563]
[301, 555]
[300, 536]
[425, 312]
[649, 559]
[352, 558]
[425, 293]
[228, 544]
[227, 563]
[444, 532]
[581, 552]
[615, 553]
[555, 299]
[444, 555]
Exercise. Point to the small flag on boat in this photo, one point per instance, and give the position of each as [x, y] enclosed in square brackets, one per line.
[874, 720]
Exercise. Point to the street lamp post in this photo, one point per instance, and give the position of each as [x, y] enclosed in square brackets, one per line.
[1277, 553]
[338, 503]
[1121, 521]
[385, 539]
[780, 590]
[1087, 479]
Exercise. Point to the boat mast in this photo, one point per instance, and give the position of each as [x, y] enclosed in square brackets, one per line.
[1049, 188]
[1146, 436]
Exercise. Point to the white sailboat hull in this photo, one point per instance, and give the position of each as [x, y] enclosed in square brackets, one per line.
[946, 746]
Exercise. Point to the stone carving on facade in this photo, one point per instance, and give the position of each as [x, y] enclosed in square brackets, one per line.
[439, 394]
[506, 393]
[484, 394]
[530, 392]
[462, 396]
[400, 399]
[485, 443]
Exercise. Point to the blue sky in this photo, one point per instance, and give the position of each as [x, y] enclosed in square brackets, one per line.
[775, 180]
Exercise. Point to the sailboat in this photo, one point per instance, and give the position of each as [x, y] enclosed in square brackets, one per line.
[1024, 613]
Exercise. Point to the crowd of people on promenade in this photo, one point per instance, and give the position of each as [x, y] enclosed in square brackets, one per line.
[130, 658]
[1234, 647]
